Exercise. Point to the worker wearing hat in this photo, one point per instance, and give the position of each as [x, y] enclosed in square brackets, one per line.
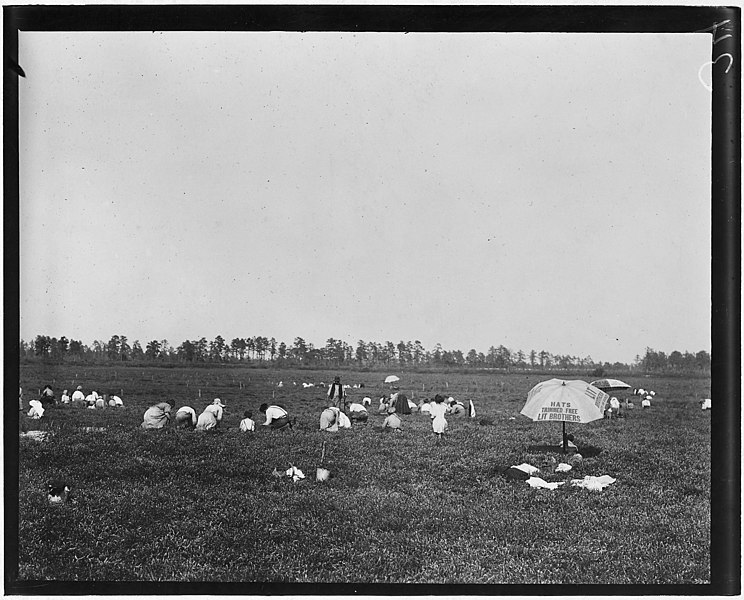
[336, 394]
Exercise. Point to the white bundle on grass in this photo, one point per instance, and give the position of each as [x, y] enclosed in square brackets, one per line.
[529, 469]
[595, 484]
[536, 482]
[295, 474]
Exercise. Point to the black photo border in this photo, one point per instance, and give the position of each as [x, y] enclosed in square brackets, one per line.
[721, 23]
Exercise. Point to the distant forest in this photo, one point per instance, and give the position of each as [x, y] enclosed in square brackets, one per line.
[262, 351]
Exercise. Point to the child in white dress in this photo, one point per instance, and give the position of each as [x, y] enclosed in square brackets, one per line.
[437, 410]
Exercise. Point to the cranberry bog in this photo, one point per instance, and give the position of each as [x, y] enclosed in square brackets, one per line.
[186, 506]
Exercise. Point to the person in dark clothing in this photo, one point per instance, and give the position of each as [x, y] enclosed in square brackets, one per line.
[401, 404]
[336, 394]
[47, 398]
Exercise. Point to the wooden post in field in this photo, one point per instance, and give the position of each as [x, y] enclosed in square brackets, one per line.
[199, 393]
[447, 384]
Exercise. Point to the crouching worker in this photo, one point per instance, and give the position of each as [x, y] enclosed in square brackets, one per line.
[247, 424]
[185, 418]
[276, 416]
[329, 419]
[157, 416]
[392, 421]
[37, 409]
[358, 413]
[211, 417]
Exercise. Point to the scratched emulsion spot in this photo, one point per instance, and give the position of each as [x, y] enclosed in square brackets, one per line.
[706, 69]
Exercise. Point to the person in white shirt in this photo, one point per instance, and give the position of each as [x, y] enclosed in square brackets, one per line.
[78, 396]
[392, 421]
[357, 412]
[211, 417]
[437, 410]
[37, 410]
[343, 420]
[276, 416]
[329, 419]
[456, 408]
[115, 401]
[65, 398]
[247, 424]
[185, 418]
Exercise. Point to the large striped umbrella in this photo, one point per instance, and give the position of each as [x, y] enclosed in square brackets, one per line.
[610, 385]
[572, 401]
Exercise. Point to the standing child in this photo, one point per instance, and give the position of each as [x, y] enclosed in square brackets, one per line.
[437, 410]
[247, 424]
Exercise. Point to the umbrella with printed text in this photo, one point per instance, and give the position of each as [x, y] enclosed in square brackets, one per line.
[610, 385]
[572, 401]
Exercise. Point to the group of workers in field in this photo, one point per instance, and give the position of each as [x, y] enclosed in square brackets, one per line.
[78, 399]
[338, 414]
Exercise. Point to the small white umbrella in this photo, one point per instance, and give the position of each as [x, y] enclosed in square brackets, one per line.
[392, 379]
[566, 401]
[610, 385]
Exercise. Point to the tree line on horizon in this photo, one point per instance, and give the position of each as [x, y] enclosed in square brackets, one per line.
[337, 353]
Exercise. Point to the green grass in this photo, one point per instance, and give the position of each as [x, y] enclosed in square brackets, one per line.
[190, 506]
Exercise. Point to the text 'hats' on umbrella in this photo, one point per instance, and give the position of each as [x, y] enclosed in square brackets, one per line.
[572, 401]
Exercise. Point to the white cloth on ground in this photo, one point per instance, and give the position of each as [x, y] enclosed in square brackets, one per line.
[596, 484]
[536, 482]
[563, 467]
[295, 474]
[529, 469]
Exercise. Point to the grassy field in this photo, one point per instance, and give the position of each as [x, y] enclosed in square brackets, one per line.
[190, 506]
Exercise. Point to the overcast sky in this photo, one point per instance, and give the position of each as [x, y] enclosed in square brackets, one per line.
[540, 191]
